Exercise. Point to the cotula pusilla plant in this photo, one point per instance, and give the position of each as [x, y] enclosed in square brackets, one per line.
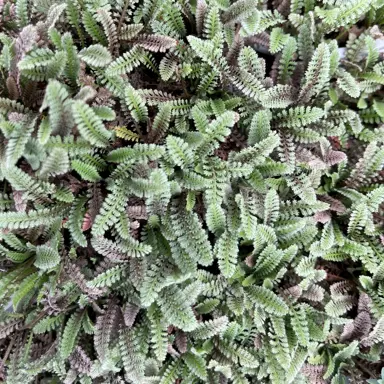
[191, 191]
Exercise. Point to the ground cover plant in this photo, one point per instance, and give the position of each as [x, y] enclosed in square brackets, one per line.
[191, 192]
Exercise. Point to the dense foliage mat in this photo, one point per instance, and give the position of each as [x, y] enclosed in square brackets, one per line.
[191, 192]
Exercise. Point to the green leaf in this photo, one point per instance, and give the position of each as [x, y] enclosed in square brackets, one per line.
[378, 106]
[268, 300]
[348, 83]
[57, 163]
[26, 286]
[159, 339]
[226, 250]
[96, 56]
[17, 142]
[90, 125]
[136, 104]
[46, 257]
[70, 334]
[32, 219]
[196, 364]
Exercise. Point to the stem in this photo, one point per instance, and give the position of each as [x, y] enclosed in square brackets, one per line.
[123, 13]
[366, 370]
[138, 130]
[334, 277]
[8, 351]
[33, 322]
[183, 84]
[97, 309]
[341, 34]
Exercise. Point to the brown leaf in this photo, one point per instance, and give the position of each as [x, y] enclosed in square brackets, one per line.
[87, 222]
